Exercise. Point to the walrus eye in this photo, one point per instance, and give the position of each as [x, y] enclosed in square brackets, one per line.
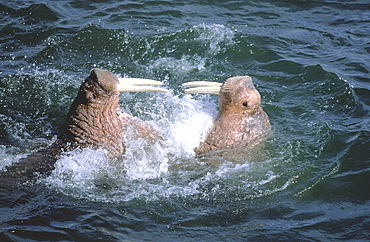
[245, 104]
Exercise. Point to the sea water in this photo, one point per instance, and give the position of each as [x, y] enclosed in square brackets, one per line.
[309, 61]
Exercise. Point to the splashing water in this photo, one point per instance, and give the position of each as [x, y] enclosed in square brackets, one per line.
[164, 169]
[145, 168]
[170, 167]
[311, 183]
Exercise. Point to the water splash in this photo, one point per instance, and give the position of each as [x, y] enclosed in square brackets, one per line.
[215, 36]
[292, 159]
[181, 66]
[178, 55]
[8, 156]
[170, 168]
[165, 169]
[145, 166]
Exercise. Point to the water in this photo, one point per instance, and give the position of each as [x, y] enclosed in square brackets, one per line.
[309, 60]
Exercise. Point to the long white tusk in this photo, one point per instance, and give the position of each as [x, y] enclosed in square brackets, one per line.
[201, 84]
[137, 88]
[210, 90]
[138, 81]
[203, 87]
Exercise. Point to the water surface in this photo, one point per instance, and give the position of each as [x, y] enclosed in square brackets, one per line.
[308, 59]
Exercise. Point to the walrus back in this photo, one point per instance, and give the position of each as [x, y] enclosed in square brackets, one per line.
[27, 169]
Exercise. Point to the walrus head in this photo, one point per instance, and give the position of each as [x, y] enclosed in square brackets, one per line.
[240, 121]
[238, 94]
[94, 117]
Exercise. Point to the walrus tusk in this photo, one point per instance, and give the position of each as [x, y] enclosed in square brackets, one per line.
[139, 81]
[201, 84]
[136, 85]
[209, 90]
[137, 88]
[203, 87]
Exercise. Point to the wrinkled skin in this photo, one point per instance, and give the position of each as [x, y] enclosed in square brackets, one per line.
[240, 122]
[94, 120]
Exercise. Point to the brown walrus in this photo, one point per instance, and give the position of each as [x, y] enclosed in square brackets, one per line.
[95, 120]
[240, 122]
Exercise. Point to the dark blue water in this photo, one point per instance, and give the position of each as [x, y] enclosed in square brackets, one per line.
[310, 60]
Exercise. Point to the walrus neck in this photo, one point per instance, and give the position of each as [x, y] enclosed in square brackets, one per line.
[227, 116]
[94, 124]
[236, 114]
[103, 104]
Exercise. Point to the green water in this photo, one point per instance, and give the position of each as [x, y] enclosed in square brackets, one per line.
[308, 59]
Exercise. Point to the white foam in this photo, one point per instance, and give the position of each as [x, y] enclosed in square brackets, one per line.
[144, 160]
[164, 169]
[187, 124]
[182, 122]
[79, 169]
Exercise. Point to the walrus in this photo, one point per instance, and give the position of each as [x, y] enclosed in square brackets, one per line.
[240, 122]
[95, 120]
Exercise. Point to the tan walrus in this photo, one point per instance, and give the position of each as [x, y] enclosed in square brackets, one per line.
[240, 122]
[95, 120]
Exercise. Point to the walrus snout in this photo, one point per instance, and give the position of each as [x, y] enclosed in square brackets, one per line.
[99, 84]
[239, 94]
[104, 79]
